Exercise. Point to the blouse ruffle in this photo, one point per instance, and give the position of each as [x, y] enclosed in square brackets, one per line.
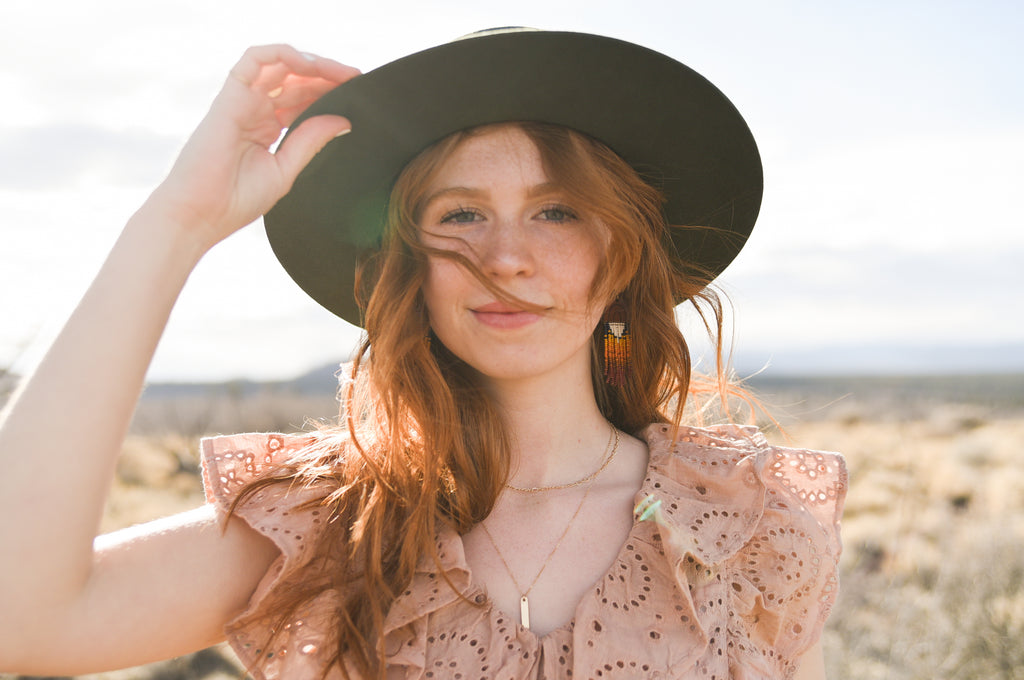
[732, 576]
[279, 513]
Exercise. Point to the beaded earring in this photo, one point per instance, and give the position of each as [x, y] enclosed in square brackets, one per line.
[616, 344]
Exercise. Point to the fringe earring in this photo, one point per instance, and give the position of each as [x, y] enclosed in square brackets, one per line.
[616, 344]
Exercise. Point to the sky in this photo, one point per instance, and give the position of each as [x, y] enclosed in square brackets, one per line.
[891, 133]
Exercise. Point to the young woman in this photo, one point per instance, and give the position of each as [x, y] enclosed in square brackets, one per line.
[510, 491]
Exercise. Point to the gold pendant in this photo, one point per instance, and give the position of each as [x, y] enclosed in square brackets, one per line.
[524, 611]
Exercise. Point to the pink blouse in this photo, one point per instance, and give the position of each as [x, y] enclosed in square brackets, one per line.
[732, 577]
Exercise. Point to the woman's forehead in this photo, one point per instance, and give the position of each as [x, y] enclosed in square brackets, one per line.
[494, 154]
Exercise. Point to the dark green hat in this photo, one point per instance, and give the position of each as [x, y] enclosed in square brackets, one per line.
[677, 129]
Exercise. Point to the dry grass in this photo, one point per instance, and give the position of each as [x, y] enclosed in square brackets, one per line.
[933, 568]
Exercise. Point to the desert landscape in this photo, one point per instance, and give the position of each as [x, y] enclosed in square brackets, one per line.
[933, 566]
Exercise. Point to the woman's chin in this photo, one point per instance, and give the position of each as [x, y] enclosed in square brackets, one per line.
[532, 367]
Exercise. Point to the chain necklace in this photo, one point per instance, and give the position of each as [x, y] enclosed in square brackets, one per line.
[524, 595]
[554, 487]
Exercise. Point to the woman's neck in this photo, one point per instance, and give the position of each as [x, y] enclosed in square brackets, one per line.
[558, 433]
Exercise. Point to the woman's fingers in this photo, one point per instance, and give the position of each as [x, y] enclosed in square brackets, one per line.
[290, 79]
[295, 96]
[306, 141]
[265, 68]
[293, 80]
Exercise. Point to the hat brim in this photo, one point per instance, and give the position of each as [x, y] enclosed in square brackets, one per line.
[672, 125]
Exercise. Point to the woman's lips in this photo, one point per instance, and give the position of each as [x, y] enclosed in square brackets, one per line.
[502, 316]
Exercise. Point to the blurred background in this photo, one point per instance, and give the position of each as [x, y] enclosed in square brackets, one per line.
[877, 299]
[891, 134]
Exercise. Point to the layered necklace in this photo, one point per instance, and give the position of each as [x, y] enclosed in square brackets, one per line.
[524, 595]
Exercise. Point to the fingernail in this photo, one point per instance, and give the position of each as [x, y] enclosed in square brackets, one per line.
[308, 57]
[343, 133]
[275, 93]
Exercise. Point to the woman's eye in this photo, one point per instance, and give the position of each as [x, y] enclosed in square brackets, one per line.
[460, 216]
[558, 214]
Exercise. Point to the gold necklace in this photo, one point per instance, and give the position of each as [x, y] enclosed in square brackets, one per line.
[554, 487]
[524, 595]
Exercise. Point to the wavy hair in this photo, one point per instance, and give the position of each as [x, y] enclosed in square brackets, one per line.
[420, 442]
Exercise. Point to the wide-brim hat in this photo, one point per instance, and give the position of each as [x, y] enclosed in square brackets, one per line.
[666, 120]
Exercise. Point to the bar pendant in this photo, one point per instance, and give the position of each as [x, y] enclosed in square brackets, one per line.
[524, 611]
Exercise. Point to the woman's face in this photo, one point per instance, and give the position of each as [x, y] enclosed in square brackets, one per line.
[492, 202]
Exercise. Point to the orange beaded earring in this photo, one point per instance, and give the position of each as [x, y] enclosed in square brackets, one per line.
[616, 344]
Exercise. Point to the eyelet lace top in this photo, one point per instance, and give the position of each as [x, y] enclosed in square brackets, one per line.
[732, 577]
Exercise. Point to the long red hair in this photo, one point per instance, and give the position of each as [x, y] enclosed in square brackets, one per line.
[419, 441]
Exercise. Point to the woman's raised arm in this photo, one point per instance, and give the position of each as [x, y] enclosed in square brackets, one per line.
[62, 432]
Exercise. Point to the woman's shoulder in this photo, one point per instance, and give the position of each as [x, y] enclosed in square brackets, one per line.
[230, 462]
[733, 458]
[256, 477]
[275, 482]
[264, 479]
[725, 491]
[761, 517]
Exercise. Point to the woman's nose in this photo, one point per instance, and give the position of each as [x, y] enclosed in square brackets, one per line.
[506, 250]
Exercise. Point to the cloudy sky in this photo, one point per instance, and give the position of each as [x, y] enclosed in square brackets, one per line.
[891, 132]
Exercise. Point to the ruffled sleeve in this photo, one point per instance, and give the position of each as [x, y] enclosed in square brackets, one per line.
[752, 533]
[792, 562]
[289, 515]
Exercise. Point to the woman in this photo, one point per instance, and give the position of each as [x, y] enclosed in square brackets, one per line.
[510, 493]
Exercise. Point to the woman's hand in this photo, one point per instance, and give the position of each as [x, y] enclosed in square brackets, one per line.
[226, 175]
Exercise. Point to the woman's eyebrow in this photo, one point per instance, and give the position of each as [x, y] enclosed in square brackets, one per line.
[543, 189]
[455, 191]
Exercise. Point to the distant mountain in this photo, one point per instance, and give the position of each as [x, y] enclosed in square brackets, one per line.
[321, 380]
[857, 360]
[885, 396]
